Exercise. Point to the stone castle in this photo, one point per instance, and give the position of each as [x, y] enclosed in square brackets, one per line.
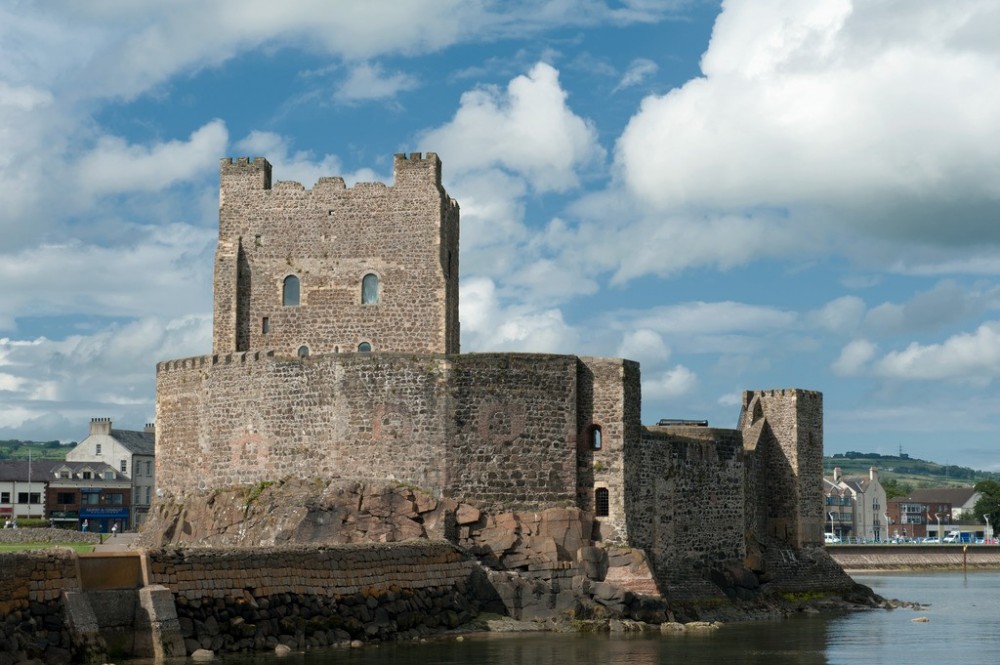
[336, 355]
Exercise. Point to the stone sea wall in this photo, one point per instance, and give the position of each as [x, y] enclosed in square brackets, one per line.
[248, 600]
[32, 614]
[916, 557]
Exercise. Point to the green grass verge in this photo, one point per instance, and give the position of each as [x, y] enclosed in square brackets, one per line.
[21, 547]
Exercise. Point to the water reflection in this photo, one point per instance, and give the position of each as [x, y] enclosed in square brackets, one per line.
[963, 627]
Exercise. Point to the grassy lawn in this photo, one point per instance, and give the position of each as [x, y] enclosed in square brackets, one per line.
[20, 547]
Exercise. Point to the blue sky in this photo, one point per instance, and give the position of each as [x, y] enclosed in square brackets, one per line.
[739, 195]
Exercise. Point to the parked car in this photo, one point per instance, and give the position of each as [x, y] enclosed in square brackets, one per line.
[831, 539]
[932, 541]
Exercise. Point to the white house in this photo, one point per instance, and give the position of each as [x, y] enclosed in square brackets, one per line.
[22, 490]
[131, 453]
[856, 506]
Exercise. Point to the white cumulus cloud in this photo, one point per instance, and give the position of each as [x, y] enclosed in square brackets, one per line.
[882, 113]
[854, 358]
[971, 356]
[527, 129]
[672, 383]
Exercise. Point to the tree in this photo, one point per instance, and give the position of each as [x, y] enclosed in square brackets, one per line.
[989, 503]
[893, 488]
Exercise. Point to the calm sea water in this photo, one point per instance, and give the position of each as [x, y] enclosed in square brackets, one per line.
[963, 627]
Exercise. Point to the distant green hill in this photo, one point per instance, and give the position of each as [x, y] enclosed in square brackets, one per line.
[13, 449]
[905, 472]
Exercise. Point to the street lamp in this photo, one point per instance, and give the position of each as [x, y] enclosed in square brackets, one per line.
[938, 516]
[986, 536]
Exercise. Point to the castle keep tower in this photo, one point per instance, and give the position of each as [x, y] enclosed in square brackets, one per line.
[332, 269]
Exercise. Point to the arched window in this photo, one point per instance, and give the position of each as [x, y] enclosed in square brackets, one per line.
[595, 437]
[303, 351]
[364, 347]
[601, 501]
[290, 291]
[369, 289]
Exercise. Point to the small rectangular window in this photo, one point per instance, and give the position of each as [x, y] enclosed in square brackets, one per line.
[601, 502]
[4, 497]
[265, 325]
[98, 449]
[149, 469]
[124, 466]
[22, 497]
[66, 498]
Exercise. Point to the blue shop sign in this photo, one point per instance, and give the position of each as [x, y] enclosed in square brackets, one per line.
[90, 490]
[104, 513]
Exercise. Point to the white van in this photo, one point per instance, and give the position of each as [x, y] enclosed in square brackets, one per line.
[831, 539]
[953, 537]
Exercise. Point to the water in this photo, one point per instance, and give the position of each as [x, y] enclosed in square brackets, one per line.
[963, 627]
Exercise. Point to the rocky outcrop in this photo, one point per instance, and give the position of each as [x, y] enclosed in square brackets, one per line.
[298, 512]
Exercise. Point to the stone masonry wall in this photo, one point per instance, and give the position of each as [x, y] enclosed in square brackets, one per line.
[609, 399]
[244, 419]
[515, 421]
[330, 237]
[33, 621]
[252, 599]
[336, 571]
[686, 499]
[492, 428]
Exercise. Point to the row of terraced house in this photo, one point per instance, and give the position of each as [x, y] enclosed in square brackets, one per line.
[106, 481]
[857, 510]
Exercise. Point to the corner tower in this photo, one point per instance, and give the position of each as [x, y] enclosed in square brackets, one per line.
[335, 269]
[785, 429]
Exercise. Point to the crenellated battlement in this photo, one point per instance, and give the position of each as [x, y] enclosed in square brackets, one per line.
[416, 169]
[244, 173]
[781, 392]
[200, 362]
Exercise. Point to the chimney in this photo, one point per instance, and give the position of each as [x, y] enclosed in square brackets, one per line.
[100, 426]
[836, 474]
[150, 428]
[873, 473]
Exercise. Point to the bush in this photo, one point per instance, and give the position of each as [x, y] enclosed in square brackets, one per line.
[32, 523]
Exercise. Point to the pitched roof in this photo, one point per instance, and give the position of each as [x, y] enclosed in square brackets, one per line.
[18, 469]
[137, 443]
[857, 484]
[956, 496]
[44, 470]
